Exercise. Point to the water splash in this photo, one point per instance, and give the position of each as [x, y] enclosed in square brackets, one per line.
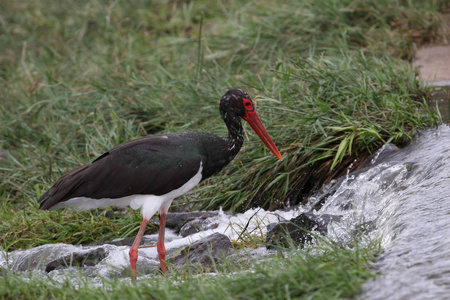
[406, 202]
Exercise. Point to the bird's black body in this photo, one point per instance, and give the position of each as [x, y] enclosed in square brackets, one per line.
[152, 165]
[149, 172]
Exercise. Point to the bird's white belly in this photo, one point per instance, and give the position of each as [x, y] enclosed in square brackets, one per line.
[149, 204]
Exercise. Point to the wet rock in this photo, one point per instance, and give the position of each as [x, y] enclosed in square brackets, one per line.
[146, 240]
[39, 257]
[177, 220]
[197, 225]
[184, 223]
[79, 259]
[191, 228]
[204, 252]
[298, 230]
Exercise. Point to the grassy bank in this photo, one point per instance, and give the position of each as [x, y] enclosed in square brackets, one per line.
[331, 80]
[336, 273]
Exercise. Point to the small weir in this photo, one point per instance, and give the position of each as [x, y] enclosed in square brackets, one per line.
[404, 200]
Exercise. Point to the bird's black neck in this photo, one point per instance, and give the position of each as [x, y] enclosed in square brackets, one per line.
[235, 137]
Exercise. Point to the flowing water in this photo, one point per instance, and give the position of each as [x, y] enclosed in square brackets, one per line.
[440, 98]
[402, 199]
[405, 199]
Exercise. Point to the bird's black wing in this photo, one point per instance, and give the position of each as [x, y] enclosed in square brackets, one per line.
[150, 165]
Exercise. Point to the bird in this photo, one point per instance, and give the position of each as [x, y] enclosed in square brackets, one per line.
[147, 173]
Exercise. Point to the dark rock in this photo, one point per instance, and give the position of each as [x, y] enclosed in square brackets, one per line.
[146, 240]
[298, 230]
[177, 220]
[185, 223]
[271, 226]
[122, 242]
[196, 225]
[204, 252]
[89, 258]
[39, 257]
[191, 228]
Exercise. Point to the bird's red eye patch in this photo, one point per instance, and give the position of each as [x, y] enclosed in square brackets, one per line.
[248, 104]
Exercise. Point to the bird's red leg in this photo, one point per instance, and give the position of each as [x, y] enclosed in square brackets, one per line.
[160, 247]
[134, 249]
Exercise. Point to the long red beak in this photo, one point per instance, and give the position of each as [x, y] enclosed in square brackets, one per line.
[254, 121]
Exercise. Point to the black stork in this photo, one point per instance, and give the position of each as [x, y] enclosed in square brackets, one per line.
[151, 171]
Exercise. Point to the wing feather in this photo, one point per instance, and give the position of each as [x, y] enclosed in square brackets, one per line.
[152, 165]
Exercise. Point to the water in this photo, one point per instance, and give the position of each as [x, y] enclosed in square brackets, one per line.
[406, 198]
[440, 99]
[117, 265]
[402, 199]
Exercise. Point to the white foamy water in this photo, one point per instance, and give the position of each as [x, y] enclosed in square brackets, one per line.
[117, 264]
[407, 199]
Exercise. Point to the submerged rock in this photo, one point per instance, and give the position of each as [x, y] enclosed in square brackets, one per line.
[299, 230]
[204, 252]
[197, 225]
[177, 220]
[38, 258]
[146, 240]
[79, 259]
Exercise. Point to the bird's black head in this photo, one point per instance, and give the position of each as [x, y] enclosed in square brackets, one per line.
[236, 104]
[236, 101]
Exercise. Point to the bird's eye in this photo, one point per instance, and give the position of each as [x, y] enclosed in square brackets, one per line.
[248, 104]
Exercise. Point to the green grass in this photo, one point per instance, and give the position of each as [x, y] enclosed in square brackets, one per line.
[335, 272]
[31, 227]
[331, 80]
[78, 79]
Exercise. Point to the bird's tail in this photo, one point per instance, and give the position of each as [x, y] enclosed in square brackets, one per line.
[64, 188]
